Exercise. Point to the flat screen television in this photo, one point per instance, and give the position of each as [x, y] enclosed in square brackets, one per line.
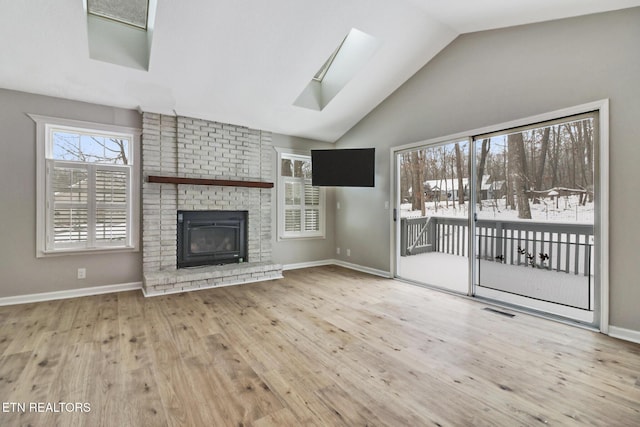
[352, 167]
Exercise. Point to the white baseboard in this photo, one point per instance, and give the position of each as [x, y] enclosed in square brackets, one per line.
[357, 267]
[624, 334]
[340, 263]
[97, 290]
[71, 293]
[299, 265]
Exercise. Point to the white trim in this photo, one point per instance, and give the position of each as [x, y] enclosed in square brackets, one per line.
[281, 235]
[149, 294]
[340, 263]
[123, 287]
[110, 129]
[602, 106]
[43, 124]
[299, 265]
[369, 270]
[293, 151]
[394, 199]
[364, 269]
[603, 166]
[526, 121]
[70, 293]
[624, 334]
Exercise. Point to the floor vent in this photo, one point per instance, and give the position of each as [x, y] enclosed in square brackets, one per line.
[504, 313]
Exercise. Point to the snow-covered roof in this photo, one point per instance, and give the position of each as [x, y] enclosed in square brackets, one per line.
[452, 184]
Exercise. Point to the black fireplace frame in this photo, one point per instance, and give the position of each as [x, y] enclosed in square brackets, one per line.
[188, 220]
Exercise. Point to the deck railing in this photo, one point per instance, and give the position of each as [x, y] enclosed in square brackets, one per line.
[415, 236]
[553, 246]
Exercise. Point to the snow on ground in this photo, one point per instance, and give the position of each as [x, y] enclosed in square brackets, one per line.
[568, 210]
[538, 289]
[451, 272]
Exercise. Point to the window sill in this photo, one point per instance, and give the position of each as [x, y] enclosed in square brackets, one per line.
[77, 251]
[312, 237]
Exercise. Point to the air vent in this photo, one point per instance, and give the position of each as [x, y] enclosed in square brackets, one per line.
[503, 313]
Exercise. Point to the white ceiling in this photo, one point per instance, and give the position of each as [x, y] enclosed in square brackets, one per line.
[246, 62]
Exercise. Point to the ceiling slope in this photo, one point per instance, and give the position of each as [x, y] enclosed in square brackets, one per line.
[247, 62]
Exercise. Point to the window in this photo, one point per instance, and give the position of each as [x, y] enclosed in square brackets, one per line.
[86, 176]
[300, 205]
[121, 31]
[348, 59]
[327, 64]
[132, 12]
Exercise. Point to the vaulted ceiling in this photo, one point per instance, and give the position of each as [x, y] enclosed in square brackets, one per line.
[246, 62]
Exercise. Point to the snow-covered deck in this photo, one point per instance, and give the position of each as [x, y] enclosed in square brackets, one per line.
[451, 272]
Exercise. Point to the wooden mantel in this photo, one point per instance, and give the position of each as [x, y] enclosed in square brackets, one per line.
[202, 181]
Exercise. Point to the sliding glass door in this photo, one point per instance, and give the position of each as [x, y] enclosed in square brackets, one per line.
[433, 215]
[534, 216]
[521, 204]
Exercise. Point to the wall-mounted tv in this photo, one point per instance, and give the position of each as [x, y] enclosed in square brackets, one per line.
[352, 167]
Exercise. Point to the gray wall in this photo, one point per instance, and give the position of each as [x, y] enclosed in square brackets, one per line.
[20, 271]
[293, 251]
[492, 77]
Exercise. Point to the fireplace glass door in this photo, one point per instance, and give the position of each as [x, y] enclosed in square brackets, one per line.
[211, 238]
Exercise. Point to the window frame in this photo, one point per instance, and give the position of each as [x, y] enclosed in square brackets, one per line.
[44, 199]
[297, 235]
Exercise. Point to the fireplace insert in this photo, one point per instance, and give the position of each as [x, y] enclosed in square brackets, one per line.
[211, 237]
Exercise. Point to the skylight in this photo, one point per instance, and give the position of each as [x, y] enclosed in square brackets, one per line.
[130, 12]
[325, 67]
[344, 63]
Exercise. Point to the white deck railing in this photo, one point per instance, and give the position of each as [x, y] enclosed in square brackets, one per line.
[553, 246]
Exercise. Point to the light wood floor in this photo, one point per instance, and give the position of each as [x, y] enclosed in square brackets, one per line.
[324, 346]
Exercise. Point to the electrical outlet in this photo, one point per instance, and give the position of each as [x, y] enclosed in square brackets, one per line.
[338, 205]
[386, 204]
[338, 251]
[82, 273]
[348, 252]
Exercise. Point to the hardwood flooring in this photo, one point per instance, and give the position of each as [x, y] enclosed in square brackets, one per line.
[324, 346]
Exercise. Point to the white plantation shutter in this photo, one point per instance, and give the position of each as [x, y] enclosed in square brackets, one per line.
[111, 205]
[301, 205]
[292, 220]
[292, 192]
[88, 205]
[311, 208]
[311, 195]
[68, 204]
[292, 210]
[311, 220]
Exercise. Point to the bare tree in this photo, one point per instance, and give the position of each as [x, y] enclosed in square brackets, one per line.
[544, 147]
[459, 173]
[509, 167]
[518, 173]
[588, 135]
[444, 175]
[486, 145]
[556, 156]
[417, 172]
[405, 175]
[103, 150]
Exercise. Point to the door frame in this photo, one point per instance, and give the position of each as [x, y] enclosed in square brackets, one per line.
[601, 223]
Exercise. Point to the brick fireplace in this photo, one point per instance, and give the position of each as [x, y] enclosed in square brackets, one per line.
[183, 147]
